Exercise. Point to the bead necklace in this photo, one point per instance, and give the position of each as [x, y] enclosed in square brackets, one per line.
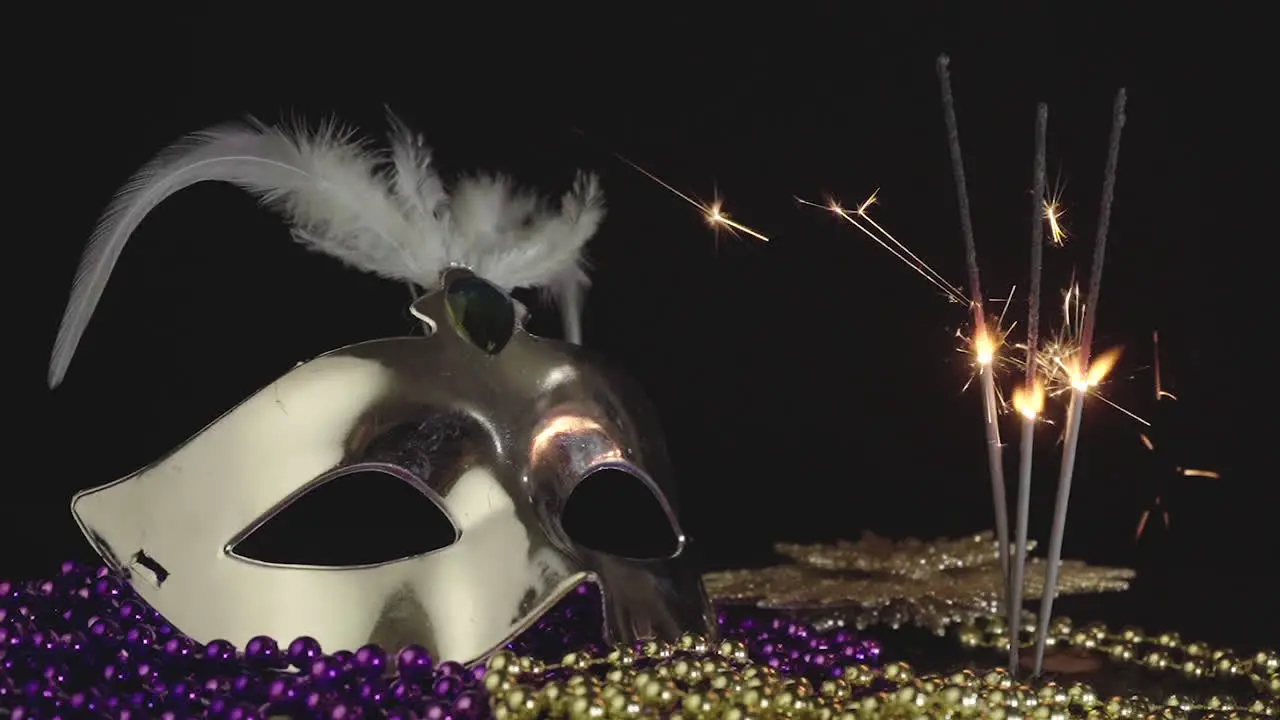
[1165, 651]
[83, 645]
[695, 679]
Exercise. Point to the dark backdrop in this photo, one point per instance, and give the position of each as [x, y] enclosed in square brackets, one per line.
[809, 387]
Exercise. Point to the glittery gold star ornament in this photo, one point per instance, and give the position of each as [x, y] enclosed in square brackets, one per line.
[877, 581]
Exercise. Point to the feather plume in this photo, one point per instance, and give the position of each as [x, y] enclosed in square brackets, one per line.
[387, 214]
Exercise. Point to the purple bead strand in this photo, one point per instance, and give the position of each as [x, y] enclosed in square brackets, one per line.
[84, 645]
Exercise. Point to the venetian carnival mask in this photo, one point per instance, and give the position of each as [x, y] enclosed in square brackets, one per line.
[497, 427]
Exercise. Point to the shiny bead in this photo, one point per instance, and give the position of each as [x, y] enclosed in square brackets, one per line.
[414, 662]
[302, 651]
[1220, 702]
[1096, 630]
[656, 650]
[687, 671]
[732, 650]
[503, 662]
[1156, 660]
[696, 704]
[583, 708]
[262, 650]
[998, 678]
[657, 694]
[577, 661]
[1266, 662]
[325, 672]
[906, 695]
[497, 683]
[951, 696]
[446, 686]
[621, 655]
[1123, 653]
[859, 675]
[898, 672]
[522, 701]
[692, 643]
[1264, 708]
[369, 661]
[622, 705]
[220, 651]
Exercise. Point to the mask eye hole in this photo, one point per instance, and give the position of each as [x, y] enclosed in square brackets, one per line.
[367, 517]
[617, 513]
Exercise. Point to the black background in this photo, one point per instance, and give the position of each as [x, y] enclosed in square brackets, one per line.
[810, 387]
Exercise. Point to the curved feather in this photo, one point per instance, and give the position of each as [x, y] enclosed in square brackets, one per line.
[415, 182]
[344, 201]
[325, 184]
[513, 239]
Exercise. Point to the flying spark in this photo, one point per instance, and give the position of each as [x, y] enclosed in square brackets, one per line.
[1053, 212]
[713, 213]
[1054, 359]
[869, 227]
[1162, 394]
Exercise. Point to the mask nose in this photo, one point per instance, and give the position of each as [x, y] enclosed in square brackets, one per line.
[646, 599]
[626, 533]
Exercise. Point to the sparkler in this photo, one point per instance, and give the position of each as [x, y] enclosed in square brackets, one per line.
[1052, 368]
[1085, 375]
[983, 345]
[1029, 400]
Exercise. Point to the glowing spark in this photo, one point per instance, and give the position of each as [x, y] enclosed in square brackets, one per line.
[887, 241]
[715, 216]
[983, 348]
[1097, 372]
[1029, 402]
[1146, 515]
[1132, 415]
[1056, 359]
[1102, 366]
[1192, 472]
[1052, 213]
[1147, 441]
[713, 213]
[862, 209]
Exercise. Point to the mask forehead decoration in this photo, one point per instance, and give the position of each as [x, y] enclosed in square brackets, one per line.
[497, 427]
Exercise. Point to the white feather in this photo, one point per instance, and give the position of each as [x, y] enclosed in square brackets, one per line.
[417, 186]
[392, 219]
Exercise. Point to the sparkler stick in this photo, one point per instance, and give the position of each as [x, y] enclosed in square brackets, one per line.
[1080, 384]
[983, 344]
[1033, 397]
